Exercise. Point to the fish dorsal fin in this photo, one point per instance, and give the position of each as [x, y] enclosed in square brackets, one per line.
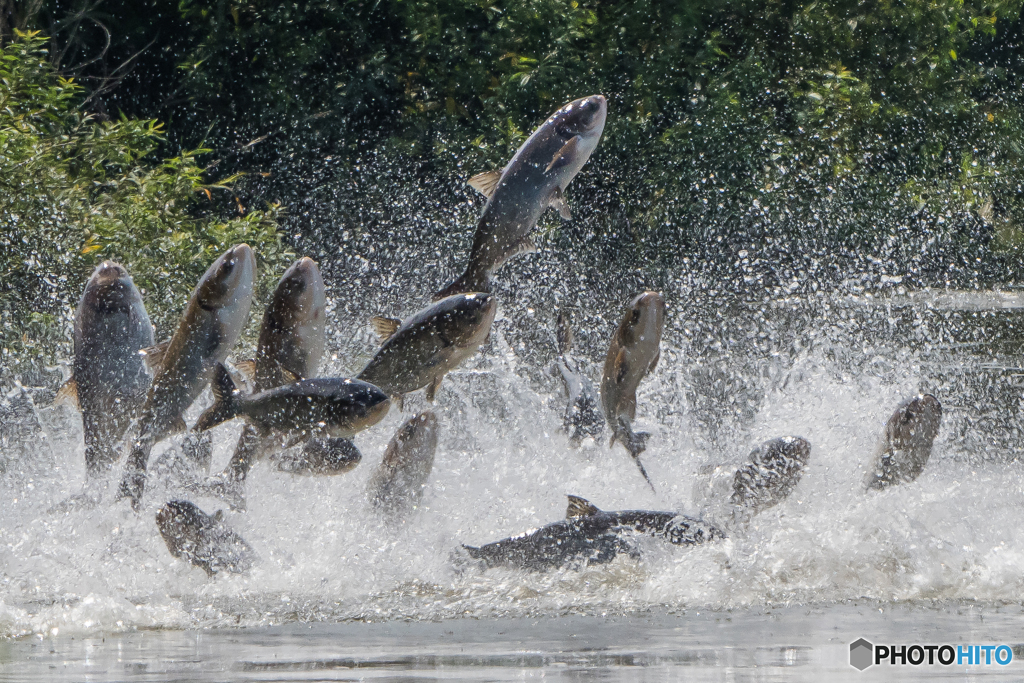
[557, 201]
[247, 368]
[580, 507]
[564, 155]
[68, 393]
[154, 355]
[485, 182]
[563, 333]
[385, 327]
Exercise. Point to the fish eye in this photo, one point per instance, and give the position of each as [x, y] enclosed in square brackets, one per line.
[636, 316]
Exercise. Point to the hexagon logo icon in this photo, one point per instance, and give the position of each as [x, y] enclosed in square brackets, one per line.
[861, 654]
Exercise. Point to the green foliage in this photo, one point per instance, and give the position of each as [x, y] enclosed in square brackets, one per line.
[75, 190]
[825, 122]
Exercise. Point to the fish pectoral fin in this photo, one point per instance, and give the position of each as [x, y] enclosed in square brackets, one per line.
[580, 507]
[563, 156]
[68, 392]
[218, 516]
[432, 388]
[179, 426]
[556, 200]
[289, 376]
[654, 363]
[399, 401]
[621, 365]
[523, 246]
[153, 356]
[247, 368]
[385, 327]
[485, 182]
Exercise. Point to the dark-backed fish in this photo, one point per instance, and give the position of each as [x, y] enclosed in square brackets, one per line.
[109, 378]
[591, 536]
[311, 408]
[210, 326]
[290, 347]
[906, 443]
[773, 472]
[532, 182]
[419, 351]
[583, 416]
[396, 486]
[632, 355]
[203, 540]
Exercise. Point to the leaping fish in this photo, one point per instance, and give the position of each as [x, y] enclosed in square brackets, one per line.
[532, 182]
[632, 355]
[210, 326]
[109, 378]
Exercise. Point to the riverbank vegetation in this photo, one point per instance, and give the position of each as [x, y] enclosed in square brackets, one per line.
[888, 134]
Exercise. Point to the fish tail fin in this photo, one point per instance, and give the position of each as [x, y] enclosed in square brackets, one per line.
[470, 281]
[225, 405]
[644, 472]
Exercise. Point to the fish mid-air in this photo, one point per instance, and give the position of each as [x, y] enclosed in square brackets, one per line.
[210, 326]
[583, 416]
[289, 348]
[533, 181]
[203, 540]
[591, 536]
[396, 486]
[109, 378]
[772, 472]
[310, 408]
[906, 443]
[419, 351]
[632, 355]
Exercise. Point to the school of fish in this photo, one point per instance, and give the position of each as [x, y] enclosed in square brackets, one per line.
[134, 393]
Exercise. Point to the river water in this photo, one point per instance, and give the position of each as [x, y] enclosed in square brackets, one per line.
[94, 594]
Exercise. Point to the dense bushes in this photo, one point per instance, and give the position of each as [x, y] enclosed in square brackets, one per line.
[888, 129]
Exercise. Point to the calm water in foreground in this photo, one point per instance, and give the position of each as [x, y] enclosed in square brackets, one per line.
[787, 644]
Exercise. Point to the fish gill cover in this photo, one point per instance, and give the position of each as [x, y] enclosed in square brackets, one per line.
[827, 197]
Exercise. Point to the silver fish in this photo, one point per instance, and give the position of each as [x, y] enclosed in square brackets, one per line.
[632, 355]
[397, 484]
[583, 416]
[203, 540]
[419, 351]
[591, 536]
[210, 326]
[773, 472]
[109, 378]
[290, 346]
[533, 181]
[322, 458]
[906, 443]
[311, 408]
